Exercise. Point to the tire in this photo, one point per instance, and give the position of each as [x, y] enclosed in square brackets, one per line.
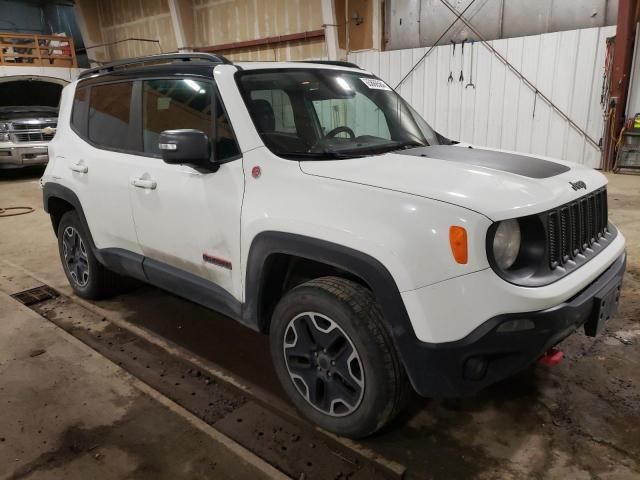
[87, 276]
[357, 384]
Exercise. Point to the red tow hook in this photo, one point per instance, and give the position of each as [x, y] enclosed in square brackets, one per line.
[552, 358]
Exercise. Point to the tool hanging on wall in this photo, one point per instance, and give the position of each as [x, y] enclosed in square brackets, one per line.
[518, 73]
[470, 84]
[458, 16]
[461, 78]
[453, 54]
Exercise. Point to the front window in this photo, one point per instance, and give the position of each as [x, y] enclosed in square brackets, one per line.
[185, 103]
[330, 114]
[174, 104]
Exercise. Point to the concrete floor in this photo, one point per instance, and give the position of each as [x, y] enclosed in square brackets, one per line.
[69, 413]
[578, 420]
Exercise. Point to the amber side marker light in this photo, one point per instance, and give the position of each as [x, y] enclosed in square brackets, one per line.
[458, 242]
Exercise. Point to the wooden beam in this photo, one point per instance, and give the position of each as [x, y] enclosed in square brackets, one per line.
[330, 28]
[178, 25]
[259, 42]
[88, 19]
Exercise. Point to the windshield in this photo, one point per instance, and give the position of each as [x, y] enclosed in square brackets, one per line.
[316, 113]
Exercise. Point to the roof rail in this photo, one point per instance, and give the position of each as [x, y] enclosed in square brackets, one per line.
[338, 63]
[163, 57]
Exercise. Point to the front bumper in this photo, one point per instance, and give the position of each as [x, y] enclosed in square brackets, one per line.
[23, 156]
[487, 355]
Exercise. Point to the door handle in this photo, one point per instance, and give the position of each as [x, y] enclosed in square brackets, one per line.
[76, 167]
[141, 183]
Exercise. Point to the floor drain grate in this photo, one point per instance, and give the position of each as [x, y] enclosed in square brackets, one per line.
[35, 295]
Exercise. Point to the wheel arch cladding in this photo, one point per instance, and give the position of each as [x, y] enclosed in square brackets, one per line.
[373, 273]
[57, 200]
[57, 207]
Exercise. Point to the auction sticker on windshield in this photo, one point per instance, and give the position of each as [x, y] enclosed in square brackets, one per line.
[375, 84]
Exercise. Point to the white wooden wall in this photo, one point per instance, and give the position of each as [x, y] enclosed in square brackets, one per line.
[566, 66]
[62, 73]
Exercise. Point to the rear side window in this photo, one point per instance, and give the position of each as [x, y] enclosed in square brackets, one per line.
[110, 116]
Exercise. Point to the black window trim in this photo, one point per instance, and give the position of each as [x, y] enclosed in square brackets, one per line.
[85, 112]
[136, 112]
[239, 155]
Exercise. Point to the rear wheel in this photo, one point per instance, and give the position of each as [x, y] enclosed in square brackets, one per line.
[335, 358]
[87, 276]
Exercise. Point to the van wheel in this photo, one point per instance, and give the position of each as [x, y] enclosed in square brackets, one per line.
[335, 359]
[87, 276]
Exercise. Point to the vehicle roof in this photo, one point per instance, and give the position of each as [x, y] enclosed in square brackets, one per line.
[201, 66]
[297, 65]
[204, 69]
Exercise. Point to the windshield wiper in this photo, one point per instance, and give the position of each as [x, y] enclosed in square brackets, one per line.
[407, 145]
[352, 152]
[385, 148]
[326, 155]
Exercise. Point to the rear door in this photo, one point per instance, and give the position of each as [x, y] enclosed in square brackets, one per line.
[98, 161]
[188, 218]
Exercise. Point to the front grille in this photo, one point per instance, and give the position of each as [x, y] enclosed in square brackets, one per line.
[31, 131]
[573, 228]
[32, 137]
[23, 126]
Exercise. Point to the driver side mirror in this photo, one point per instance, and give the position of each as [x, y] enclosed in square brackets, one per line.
[186, 146]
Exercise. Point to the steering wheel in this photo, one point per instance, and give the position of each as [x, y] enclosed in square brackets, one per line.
[332, 134]
[338, 130]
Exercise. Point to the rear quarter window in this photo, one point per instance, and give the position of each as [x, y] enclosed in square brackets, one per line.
[79, 111]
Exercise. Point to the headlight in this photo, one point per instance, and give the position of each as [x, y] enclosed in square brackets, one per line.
[4, 127]
[506, 243]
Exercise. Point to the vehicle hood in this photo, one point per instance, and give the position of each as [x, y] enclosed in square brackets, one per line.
[26, 112]
[30, 92]
[496, 183]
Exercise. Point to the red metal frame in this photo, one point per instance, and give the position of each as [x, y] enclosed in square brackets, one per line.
[622, 60]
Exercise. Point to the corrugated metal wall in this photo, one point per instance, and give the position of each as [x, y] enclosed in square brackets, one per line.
[502, 112]
[633, 99]
[419, 23]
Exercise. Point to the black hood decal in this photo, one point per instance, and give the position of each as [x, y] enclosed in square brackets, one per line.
[506, 162]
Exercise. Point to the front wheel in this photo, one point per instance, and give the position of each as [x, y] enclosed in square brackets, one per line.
[335, 358]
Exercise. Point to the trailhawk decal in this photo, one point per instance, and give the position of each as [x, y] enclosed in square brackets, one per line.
[505, 162]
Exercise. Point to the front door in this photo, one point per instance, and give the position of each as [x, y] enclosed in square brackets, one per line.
[187, 218]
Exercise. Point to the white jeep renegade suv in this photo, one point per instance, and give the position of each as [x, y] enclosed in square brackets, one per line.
[310, 202]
